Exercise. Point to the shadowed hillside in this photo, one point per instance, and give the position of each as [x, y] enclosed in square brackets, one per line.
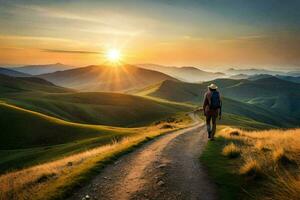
[106, 78]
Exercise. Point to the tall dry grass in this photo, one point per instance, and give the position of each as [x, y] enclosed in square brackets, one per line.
[274, 155]
[49, 180]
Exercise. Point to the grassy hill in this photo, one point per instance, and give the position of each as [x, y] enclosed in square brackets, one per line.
[232, 102]
[97, 108]
[22, 128]
[41, 121]
[89, 108]
[106, 78]
[270, 93]
[10, 84]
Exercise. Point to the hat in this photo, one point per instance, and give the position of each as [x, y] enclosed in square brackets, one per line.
[213, 86]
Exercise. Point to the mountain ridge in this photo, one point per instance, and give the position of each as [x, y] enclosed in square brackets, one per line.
[41, 69]
[106, 78]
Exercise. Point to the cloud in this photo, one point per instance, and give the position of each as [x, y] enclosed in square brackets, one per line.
[70, 52]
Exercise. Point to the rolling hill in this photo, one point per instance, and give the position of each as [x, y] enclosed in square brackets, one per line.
[106, 78]
[42, 69]
[29, 138]
[271, 93]
[24, 128]
[89, 108]
[10, 72]
[187, 74]
[40, 121]
[238, 98]
[10, 84]
[97, 108]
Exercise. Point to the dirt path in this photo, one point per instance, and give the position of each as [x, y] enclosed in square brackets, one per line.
[166, 168]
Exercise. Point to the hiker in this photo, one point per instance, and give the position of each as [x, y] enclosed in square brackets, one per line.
[212, 107]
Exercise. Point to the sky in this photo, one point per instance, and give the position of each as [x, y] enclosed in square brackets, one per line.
[204, 33]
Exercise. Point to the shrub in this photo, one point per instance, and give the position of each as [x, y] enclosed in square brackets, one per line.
[260, 146]
[231, 151]
[279, 156]
[250, 168]
[45, 177]
[167, 126]
[234, 133]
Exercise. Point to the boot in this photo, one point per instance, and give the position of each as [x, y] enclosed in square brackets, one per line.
[208, 130]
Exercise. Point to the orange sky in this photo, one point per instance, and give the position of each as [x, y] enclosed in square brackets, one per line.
[173, 34]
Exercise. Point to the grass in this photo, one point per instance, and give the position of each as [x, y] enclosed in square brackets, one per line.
[97, 108]
[219, 167]
[21, 128]
[250, 168]
[57, 179]
[267, 166]
[231, 150]
[242, 122]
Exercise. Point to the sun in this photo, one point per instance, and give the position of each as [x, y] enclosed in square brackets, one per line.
[113, 55]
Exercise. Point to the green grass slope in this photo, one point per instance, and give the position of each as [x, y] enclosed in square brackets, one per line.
[98, 108]
[22, 128]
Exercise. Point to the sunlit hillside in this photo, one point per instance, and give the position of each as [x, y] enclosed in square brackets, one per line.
[106, 78]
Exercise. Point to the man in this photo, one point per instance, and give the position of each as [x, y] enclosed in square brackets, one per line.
[212, 107]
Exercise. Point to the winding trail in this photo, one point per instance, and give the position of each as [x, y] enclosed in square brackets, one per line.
[165, 168]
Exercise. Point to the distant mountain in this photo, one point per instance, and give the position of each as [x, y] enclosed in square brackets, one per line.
[293, 73]
[106, 78]
[42, 69]
[295, 79]
[253, 71]
[10, 72]
[260, 76]
[239, 76]
[187, 74]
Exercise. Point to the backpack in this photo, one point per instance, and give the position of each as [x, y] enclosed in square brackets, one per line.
[215, 101]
